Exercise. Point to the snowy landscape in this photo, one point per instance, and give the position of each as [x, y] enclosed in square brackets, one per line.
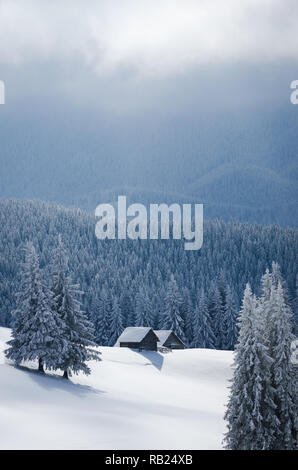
[131, 400]
[149, 225]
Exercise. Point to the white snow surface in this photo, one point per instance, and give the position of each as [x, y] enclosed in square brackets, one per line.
[131, 400]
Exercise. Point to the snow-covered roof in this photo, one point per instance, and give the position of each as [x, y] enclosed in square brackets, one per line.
[133, 334]
[162, 336]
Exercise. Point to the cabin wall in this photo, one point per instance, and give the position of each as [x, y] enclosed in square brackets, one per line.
[149, 342]
[124, 344]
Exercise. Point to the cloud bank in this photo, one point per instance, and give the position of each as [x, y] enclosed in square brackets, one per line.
[148, 37]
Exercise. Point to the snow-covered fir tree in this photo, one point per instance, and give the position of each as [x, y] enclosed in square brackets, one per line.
[222, 286]
[251, 412]
[116, 323]
[266, 286]
[276, 276]
[203, 335]
[278, 331]
[283, 377]
[144, 316]
[229, 329]
[172, 319]
[77, 331]
[36, 327]
[216, 313]
[126, 309]
[96, 318]
[103, 314]
[295, 308]
[187, 314]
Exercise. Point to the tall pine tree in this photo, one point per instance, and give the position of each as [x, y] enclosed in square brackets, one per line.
[251, 409]
[77, 331]
[117, 322]
[282, 371]
[104, 319]
[216, 313]
[203, 336]
[295, 309]
[229, 330]
[187, 313]
[144, 316]
[36, 327]
[172, 319]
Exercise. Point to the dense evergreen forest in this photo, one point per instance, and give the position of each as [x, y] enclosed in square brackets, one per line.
[133, 282]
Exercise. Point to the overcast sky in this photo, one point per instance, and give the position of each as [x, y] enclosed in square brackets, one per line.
[119, 91]
[151, 36]
[133, 48]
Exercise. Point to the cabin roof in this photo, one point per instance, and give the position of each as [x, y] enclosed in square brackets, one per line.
[133, 334]
[163, 335]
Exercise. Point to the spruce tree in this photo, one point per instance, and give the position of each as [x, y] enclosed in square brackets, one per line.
[172, 319]
[202, 325]
[216, 313]
[295, 309]
[95, 317]
[276, 276]
[282, 370]
[77, 331]
[126, 308]
[251, 409]
[116, 323]
[144, 316]
[36, 327]
[229, 328]
[276, 317]
[104, 330]
[187, 313]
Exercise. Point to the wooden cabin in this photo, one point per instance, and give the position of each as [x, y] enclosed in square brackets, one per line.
[168, 339]
[141, 338]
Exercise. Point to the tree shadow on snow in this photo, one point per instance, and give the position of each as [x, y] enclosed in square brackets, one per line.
[155, 358]
[50, 382]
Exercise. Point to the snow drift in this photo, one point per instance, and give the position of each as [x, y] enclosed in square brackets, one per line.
[131, 400]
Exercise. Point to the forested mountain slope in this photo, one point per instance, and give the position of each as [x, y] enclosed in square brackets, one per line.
[242, 164]
[232, 253]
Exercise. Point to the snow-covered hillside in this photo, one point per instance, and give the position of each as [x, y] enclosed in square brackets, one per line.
[131, 401]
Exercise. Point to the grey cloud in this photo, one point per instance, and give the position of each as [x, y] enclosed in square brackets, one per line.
[150, 37]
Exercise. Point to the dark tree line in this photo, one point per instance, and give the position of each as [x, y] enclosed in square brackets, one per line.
[154, 282]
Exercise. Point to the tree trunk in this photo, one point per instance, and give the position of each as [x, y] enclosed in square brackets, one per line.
[65, 374]
[40, 365]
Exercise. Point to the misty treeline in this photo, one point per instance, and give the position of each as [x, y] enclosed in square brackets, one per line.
[229, 160]
[155, 282]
